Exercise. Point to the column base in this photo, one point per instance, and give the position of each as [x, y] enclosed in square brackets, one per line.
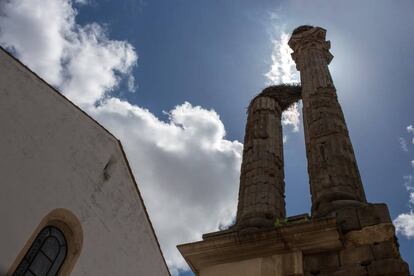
[254, 224]
[330, 208]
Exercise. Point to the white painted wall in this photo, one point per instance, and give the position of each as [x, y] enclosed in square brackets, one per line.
[52, 156]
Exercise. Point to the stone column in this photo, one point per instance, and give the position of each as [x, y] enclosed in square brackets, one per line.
[262, 187]
[333, 173]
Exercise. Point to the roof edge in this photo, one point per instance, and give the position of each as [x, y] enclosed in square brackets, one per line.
[142, 201]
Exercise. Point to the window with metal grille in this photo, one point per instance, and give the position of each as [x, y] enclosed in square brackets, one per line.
[46, 254]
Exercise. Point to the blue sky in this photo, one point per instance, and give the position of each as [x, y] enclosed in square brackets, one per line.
[215, 55]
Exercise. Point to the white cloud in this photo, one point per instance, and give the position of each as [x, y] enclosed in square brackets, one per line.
[82, 2]
[412, 198]
[410, 129]
[408, 179]
[403, 144]
[283, 70]
[185, 167]
[291, 116]
[94, 64]
[185, 162]
[33, 29]
[80, 60]
[404, 224]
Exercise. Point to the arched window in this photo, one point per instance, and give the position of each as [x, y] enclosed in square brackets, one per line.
[46, 254]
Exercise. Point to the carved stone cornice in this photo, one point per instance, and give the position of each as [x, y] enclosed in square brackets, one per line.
[232, 246]
[307, 37]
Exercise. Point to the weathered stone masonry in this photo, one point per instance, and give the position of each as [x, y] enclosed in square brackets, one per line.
[345, 235]
[333, 173]
[369, 243]
[262, 186]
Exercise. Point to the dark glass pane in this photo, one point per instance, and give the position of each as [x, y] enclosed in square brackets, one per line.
[45, 256]
[62, 255]
[58, 235]
[53, 270]
[31, 254]
[40, 265]
[24, 265]
[44, 233]
[58, 262]
[51, 247]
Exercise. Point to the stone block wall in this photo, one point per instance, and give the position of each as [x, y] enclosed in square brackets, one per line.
[370, 246]
[373, 259]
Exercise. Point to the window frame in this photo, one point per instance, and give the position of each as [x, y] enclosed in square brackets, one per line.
[68, 223]
[37, 249]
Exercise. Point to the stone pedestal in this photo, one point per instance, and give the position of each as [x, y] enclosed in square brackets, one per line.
[300, 246]
[264, 252]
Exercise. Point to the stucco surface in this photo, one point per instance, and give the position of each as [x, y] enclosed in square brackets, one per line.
[55, 156]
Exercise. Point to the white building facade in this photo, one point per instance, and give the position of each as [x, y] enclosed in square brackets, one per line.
[69, 203]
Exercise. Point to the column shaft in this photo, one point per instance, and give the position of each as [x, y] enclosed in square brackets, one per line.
[333, 173]
[261, 194]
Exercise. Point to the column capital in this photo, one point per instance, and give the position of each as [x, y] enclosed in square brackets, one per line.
[308, 37]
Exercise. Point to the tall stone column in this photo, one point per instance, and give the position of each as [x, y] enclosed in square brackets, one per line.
[262, 187]
[333, 173]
